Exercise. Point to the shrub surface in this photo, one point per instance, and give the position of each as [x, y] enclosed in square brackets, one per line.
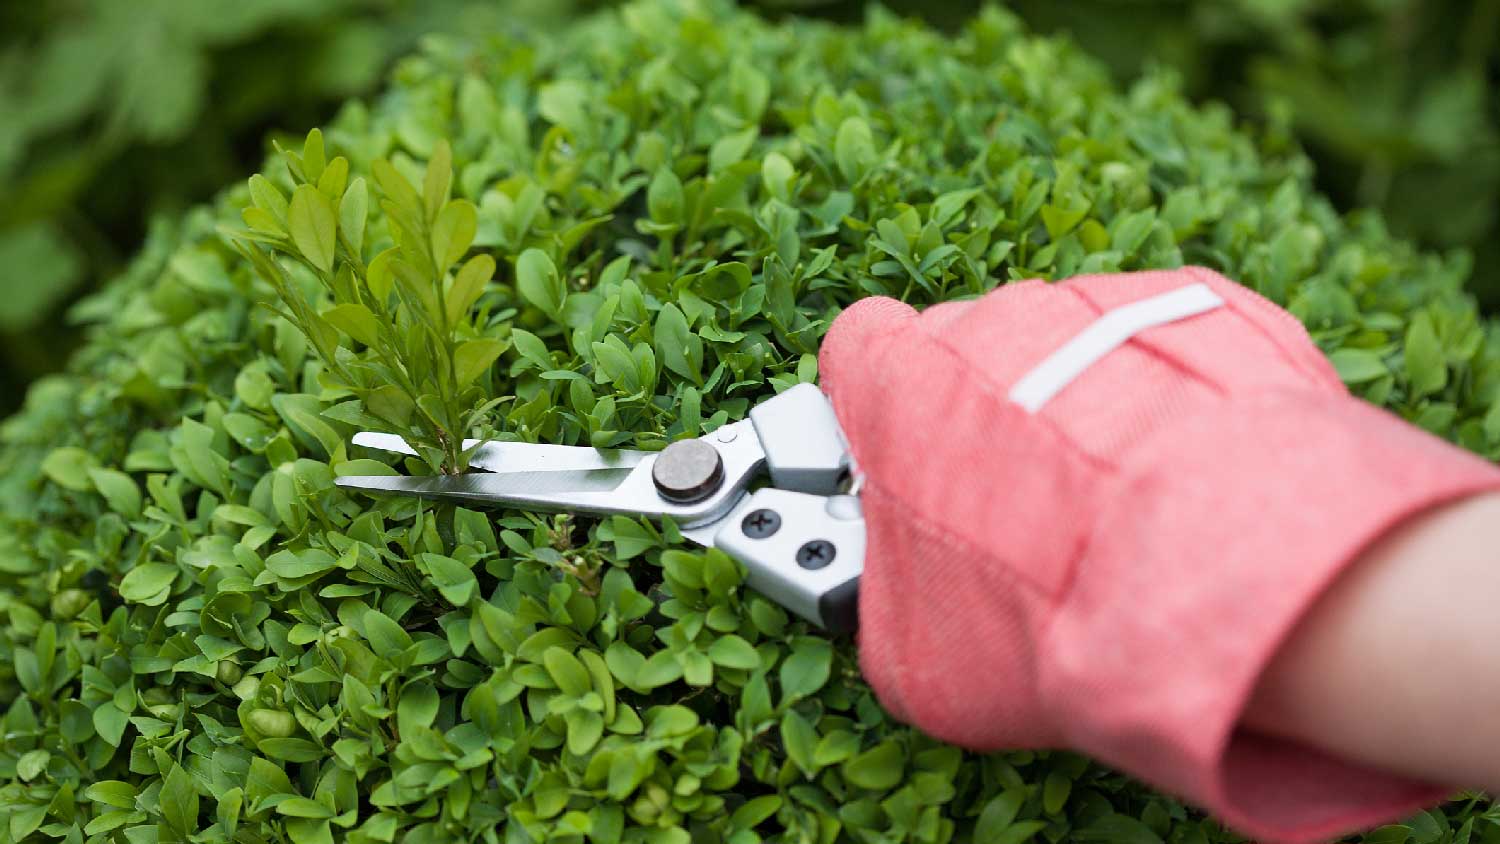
[651, 221]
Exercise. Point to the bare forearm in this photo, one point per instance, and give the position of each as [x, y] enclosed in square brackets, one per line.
[1398, 665]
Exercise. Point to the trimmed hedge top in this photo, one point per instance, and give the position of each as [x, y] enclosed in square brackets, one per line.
[621, 235]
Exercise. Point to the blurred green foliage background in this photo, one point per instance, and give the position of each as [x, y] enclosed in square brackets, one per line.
[112, 112]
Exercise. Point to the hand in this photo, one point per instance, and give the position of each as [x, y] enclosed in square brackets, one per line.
[1096, 508]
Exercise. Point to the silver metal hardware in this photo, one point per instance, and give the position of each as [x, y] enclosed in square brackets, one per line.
[687, 471]
[802, 543]
[804, 446]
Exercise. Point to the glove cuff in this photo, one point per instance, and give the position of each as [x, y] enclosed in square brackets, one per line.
[1222, 531]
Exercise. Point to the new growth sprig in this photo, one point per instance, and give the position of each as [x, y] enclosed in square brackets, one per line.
[399, 332]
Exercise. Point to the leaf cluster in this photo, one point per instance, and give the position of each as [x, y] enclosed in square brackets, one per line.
[409, 306]
[205, 639]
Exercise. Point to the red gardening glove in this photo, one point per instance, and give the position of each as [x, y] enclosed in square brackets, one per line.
[1085, 541]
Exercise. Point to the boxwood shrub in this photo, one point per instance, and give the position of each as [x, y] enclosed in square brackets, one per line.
[619, 235]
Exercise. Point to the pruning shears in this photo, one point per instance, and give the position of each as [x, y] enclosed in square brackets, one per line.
[801, 536]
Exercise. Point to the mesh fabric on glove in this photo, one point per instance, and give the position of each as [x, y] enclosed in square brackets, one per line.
[1113, 572]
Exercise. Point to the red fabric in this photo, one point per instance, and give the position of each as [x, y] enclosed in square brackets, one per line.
[1113, 573]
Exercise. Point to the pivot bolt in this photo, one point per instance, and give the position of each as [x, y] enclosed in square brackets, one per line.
[816, 554]
[761, 524]
[687, 471]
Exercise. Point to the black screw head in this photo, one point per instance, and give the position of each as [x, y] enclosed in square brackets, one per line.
[816, 554]
[688, 471]
[760, 524]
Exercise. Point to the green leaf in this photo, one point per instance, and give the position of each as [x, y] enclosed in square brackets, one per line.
[266, 197]
[112, 793]
[28, 670]
[1059, 219]
[1358, 366]
[1117, 829]
[301, 807]
[531, 348]
[567, 672]
[807, 668]
[417, 709]
[313, 156]
[313, 226]
[731, 148]
[1389, 834]
[626, 771]
[294, 565]
[308, 831]
[669, 721]
[664, 199]
[1024, 831]
[880, 768]
[70, 467]
[473, 359]
[148, 583]
[356, 321]
[731, 651]
[799, 738]
[453, 232]
[1428, 827]
[380, 278]
[777, 173]
[585, 728]
[998, 814]
[854, 148]
[119, 489]
[396, 188]
[110, 723]
[291, 749]
[438, 180]
[265, 779]
[468, 285]
[658, 670]
[354, 213]
[335, 178]
[1128, 231]
[387, 638]
[32, 763]
[1426, 365]
[723, 281]
[179, 801]
[674, 344]
[1055, 791]
[617, 364]
[539, 283]
[755, 811]
[261, 221]
[454, 580]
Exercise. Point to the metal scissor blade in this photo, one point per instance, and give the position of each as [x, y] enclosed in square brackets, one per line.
[534, 479]
[525, 489]
[498, 456]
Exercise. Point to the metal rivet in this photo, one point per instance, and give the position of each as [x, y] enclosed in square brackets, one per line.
[816, 554]
[687, 471]
[761, 523]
